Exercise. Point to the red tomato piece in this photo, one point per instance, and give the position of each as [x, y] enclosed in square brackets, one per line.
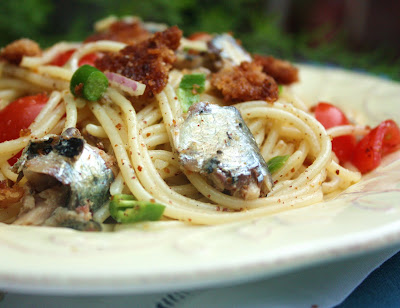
[62, 58]
[89, 59]
[331, 116]
[18, 115]
[343, 146]
[382, 140]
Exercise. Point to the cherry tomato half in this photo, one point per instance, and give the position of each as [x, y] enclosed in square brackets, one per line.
[63, 58]
[18, 115]
[89, 59]
[382, 140]
[331, 116]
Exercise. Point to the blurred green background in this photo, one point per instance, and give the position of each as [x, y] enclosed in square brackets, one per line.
[356, 34]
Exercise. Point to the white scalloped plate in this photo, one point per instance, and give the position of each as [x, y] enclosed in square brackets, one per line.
[364, 218]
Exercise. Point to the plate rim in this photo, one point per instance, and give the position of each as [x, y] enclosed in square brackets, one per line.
[378, 239]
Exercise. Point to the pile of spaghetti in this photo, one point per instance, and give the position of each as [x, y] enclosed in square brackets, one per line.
[155, 79]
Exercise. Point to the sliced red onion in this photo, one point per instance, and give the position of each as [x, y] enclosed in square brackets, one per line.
[127, 85]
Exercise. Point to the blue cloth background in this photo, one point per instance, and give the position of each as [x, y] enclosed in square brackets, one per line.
[380, 289]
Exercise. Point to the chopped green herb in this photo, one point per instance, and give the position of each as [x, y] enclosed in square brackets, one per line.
[276, 163]
[126, 209]
[280, 89]
[189, 89]
[88, 82]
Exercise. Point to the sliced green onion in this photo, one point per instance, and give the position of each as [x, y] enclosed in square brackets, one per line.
[126, 209]
[276, 163]
[189, 88]
[280, 89]
[88, 82]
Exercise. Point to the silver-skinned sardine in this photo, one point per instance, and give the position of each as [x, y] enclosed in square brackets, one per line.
[228, 49]
[222, 50]
[68, 162]
[215, 142]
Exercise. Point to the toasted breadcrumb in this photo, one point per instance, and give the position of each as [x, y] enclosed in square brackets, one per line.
[245, 82]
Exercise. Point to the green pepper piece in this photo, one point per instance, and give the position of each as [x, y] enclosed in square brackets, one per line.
[276, 163]
[88, 82]
[189, 88]
[187, 99]
[126, 209]
[193, 81]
